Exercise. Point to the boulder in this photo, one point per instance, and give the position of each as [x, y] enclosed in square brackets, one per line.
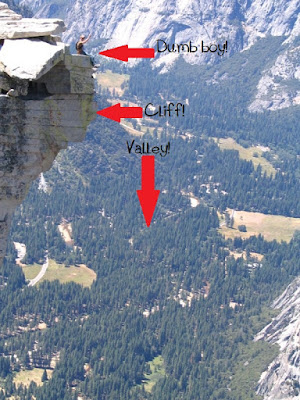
[30, 27]
[13, 26]
[30, 58]
[8, 15]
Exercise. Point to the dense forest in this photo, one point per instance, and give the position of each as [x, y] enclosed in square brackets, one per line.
[173, 291]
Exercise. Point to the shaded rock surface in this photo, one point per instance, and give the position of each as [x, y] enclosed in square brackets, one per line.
[46, 100]
[281, 380]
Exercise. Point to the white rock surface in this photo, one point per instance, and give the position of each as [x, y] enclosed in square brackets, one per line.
[272, 17]
[13, 26]
[279, 382]
[276, 88]
[30, 58]
[43, 186]
[8, 15]
[21, 252]
[52, 104]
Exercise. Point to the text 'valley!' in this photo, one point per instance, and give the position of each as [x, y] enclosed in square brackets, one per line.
[145, 148]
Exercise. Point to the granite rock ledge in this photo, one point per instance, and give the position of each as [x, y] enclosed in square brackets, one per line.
[46, 101]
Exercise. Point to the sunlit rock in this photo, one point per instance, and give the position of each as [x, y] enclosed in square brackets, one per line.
[46, 101]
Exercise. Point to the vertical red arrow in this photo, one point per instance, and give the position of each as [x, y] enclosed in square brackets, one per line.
[148, 196]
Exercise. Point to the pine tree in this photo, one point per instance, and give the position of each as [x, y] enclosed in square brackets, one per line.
[44, 376]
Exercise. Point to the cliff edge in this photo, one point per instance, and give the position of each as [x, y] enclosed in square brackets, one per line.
[46, 100]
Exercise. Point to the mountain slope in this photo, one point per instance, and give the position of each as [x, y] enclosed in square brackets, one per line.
[239, 22]
[136, 23]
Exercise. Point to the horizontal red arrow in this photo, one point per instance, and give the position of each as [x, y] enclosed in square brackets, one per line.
[117, 112]
[148, 196]
[123, 53]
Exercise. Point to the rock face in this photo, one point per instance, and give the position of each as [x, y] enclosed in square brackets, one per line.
[13, 26]
[281, 380]
[139, 23]
[279, 87]
[241, 22]
[46, 100]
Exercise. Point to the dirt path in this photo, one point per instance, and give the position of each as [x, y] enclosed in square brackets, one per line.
[65, 230]
[134, 131]
[41, 273]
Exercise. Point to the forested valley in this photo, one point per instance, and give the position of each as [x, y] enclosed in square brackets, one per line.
[175, 291]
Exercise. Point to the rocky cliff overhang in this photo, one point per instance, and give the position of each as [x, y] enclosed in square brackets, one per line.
[46, 101]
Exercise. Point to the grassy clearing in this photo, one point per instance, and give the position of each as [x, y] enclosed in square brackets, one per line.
[140, 129]
[82, 274]
[157, 372]
[31, 271]
[254, 154]
[272, 227]
[131, 130]
[28, 376]
[243, 255]
[112, 81]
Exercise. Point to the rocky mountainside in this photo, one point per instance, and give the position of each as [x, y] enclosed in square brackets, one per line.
[281, 380]
[241, 22]
[134, 22]
[46, 100]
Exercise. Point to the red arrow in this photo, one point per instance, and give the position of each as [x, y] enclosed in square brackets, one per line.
[123, 53]
[148, 196]
[117, 112]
